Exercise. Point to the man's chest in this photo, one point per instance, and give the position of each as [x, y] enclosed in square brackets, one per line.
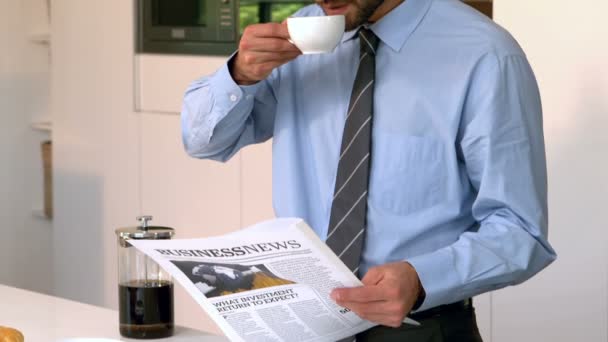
[413, 95]
[416, 115]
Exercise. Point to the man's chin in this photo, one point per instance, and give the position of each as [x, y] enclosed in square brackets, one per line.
[348, 11]
[351, 24]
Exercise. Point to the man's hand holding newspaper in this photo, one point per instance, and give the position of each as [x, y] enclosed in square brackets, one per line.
[384, 297]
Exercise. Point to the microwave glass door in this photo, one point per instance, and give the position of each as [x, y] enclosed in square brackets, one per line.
[187, 21]
[187, 13]
[188, 26]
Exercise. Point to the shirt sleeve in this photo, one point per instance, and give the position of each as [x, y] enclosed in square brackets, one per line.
[501, 147]
[219, 117]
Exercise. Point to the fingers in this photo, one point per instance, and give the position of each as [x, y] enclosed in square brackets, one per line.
[385, 312]
[265, 57]
[268, 30]
[367, 309]
[263, 47]
[388, 294]
[373, 276]
[267, 44]
[387, 320]
[389, 313]
[381, 307]
[358, 294]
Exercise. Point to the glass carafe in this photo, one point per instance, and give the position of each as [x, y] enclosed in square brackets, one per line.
[145, 290]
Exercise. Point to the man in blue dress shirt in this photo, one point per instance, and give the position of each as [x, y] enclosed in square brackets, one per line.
[457, 195]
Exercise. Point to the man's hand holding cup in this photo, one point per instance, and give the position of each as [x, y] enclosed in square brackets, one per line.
[263, 47]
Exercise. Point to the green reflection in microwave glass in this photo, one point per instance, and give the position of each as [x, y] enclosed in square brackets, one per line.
[250, 11]
[248, 15]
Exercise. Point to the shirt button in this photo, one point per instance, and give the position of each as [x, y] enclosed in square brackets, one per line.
[233, 97]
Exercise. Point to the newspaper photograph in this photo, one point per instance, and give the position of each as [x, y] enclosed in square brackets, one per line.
[268, 282]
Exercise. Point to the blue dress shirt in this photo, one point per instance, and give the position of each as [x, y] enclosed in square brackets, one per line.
[458, 184]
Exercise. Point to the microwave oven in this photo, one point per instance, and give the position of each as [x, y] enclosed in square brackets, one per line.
[203, 27]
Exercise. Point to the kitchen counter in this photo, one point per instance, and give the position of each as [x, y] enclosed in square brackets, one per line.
[43, 318]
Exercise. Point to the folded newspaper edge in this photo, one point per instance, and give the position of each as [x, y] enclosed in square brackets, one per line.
[270, 281]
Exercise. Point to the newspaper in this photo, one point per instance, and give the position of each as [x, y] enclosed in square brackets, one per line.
[268, 282]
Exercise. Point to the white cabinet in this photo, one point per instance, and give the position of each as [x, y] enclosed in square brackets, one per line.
[161, 80]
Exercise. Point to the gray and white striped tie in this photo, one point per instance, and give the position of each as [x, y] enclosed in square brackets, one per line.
[349, 207]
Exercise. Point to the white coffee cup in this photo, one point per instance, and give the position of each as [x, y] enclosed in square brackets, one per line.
[316, 34]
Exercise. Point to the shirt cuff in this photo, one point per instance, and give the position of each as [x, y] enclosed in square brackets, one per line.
[434, 271]
[225, 90]
[226, 85]
[228, 95]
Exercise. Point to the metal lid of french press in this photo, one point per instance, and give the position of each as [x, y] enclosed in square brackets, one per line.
[145, 231]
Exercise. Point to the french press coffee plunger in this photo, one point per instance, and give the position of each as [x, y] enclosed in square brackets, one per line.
[145, 290]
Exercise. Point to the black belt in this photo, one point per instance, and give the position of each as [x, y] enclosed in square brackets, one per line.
[443, 309]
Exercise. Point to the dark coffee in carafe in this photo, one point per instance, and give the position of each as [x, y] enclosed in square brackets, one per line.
[145, 290]
[146, 309]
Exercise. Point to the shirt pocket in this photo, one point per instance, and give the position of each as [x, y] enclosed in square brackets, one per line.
[407, 174]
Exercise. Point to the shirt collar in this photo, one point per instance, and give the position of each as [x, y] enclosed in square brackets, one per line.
[397, 25]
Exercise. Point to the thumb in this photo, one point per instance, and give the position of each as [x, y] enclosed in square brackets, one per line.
[373, 276]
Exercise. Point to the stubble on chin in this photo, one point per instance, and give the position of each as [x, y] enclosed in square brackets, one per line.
[360, 12]
[351, 23]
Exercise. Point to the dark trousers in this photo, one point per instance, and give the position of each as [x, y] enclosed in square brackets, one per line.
[452, 326]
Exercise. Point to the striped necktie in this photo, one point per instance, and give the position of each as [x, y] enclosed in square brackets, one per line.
[347, 222]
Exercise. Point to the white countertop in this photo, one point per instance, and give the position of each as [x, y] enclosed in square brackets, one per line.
[43, 318]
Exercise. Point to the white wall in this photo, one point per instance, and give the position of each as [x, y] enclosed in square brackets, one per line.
[96, 137]
[24, 74]
[567, 44]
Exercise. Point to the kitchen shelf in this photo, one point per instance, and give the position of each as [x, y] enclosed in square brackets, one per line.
[42, 125]
[39, 213]
[40, 38]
